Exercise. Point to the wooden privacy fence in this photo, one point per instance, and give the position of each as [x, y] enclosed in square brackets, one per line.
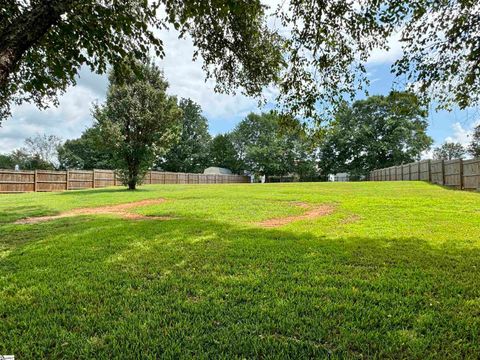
[459, 174]
[49, 180]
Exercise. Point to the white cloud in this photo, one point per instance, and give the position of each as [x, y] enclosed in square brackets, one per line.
[67, 120]
[187, 79]
[427, 154]
[461, 134]
[394, 52]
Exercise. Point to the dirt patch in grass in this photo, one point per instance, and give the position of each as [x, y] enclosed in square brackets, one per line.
[312, 212]
[350, 219]
[120, 210]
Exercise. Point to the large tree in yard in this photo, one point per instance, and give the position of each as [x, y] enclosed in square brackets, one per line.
[267, 147]
[375, 133]
[138, 122]
[190, 152]
[224, 154]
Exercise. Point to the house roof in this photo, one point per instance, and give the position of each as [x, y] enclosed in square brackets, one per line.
[217, 170]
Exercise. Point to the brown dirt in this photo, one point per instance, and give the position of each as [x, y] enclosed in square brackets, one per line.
[312, 212]
[120, 210]
[351, 219]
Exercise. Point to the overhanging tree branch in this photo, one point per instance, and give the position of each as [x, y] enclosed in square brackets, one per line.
[26, 31]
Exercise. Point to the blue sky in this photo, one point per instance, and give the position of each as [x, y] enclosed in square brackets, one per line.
[187, 79]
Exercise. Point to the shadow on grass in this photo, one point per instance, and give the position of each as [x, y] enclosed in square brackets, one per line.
[10, 214]
[108, 190]
[105, 287]
[452, 188]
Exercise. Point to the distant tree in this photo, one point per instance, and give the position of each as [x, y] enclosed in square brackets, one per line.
[474, 146]
[305, 165]
[22, 159]
[87, 152]
[190, 152]
[449, 151]
[44, 147]
[6, 162]
[38, 153]
[224, 154]
[138, 122]
[375, 133]
[27, 161]
[268, 148]
[36, 163]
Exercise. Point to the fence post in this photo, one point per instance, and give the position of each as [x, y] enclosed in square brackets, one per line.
[429, 170]
[461, 174]
[67, 178]
[150, 177]
[443, 172]
[93, 182]
[35, 178]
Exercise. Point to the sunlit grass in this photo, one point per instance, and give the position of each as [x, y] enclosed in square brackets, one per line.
[393, 272]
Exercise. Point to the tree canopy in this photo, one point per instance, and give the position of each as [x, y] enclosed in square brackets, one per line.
[449, 151]
[43, 146]
[222, 153]
[315, 52]
[375, 133]
[190, 152]
[87, 152]
[441, 48]
[474, 146]
[267, 148]
[44, 43]
[138, 121]
[39, 152]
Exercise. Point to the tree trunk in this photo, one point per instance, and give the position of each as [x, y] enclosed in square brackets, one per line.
[26, 31]
[132, 174]
[132, 185]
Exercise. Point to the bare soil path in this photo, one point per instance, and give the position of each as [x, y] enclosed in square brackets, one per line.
[312, 212]
[120, 210]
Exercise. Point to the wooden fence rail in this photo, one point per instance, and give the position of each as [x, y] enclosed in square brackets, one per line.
[458, 173]
[48, 180]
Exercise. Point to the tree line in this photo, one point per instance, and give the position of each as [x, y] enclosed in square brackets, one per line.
[140, 127]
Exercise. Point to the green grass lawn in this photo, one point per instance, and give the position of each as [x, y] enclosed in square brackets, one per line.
[393, 272]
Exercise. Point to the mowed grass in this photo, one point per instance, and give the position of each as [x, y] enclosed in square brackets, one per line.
[393, 272]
